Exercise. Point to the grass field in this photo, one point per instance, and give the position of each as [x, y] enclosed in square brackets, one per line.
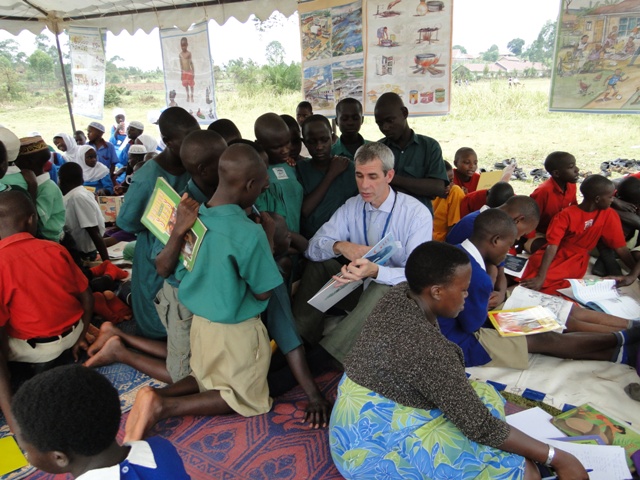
[497, 121]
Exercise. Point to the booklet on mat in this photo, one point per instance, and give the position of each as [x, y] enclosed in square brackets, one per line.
[160, 218]
[11, 457]
[588, 420]
[514, 265]
[524, 321]
[332, 292]
[602, 295]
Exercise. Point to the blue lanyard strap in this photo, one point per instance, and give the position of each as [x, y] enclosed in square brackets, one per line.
[386, 224]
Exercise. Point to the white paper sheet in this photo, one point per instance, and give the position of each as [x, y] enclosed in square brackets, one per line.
[536, 423]
[607, 462]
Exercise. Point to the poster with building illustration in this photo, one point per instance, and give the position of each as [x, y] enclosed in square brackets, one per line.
[188, 71]
[332, 52]
[408, 51]
[87, 70]
[596, 66]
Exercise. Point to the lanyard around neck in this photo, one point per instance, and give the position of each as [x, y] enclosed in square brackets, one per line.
[386, 224]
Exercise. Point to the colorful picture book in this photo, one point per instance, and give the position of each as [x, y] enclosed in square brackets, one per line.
[110, 207]
[587, 420]
[602, 295]
[524, 321]
[160, 218]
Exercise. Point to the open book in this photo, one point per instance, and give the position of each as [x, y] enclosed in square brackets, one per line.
[524, 321]
[160, 218]
[602, 295]
[332, 292]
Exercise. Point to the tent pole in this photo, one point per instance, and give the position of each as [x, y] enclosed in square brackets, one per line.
[64, 79]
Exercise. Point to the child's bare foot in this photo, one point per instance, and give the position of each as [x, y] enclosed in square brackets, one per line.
[108, 354]
[107, 330]
[146, 412]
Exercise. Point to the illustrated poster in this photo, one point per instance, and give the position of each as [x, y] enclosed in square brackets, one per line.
[408, 45]
[596, 66]
[87, 71]
[188, 71]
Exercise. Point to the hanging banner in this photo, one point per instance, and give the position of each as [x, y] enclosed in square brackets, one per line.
[188, 71]
[408, 45]
[87, 71]
[596, 66]
[332, 52]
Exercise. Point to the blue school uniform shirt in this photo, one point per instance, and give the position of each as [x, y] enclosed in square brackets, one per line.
[107, 154]
[145, 281]
[150, 459]
[461, 330]
[463, 229]
[104, 183]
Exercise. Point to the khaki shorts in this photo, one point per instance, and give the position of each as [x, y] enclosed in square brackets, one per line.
[511, 352]
[233, 359]
[21, 351]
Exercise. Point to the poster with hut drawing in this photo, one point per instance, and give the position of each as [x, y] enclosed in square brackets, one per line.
[408, 51]
[596, 67]
[332, 52]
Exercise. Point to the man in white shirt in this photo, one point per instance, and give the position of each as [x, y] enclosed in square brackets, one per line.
[350, 233]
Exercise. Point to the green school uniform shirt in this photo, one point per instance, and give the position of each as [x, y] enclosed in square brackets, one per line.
[49, 204]
[421, 158]
[284, 195]
[145, 281]
[234, 262]
[342, 188]
[339, 149]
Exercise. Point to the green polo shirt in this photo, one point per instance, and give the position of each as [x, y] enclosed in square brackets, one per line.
[234, 262]
[284, 195]
[421, 158]
[339, 149]
[342, 188]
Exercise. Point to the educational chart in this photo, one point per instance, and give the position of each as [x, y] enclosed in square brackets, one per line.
[332, 52]
[596, 67]
[188, 71]
[87, 71]
[408, 51]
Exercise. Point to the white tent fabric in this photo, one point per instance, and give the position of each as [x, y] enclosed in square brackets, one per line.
[130, 15]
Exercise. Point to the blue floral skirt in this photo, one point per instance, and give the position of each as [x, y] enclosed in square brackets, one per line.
[373, 437]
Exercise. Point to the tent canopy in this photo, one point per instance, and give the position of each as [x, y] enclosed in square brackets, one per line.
[130, 15]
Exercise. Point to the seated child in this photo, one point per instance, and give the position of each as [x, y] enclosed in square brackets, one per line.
[95, 174]
[60, 432]
[226, 129]
[34, 154]
[327, 180]
[573, 233]
[230, 349]
[554, 194]
[67, 145]
[493, 234]
[295, 145]
[37, 277]
[349, 119]
[106, 151]
[284, 195]
[83, 216]
[80, 137]
[136, 155]
[446, 209]
[483, 199]
[464, 175]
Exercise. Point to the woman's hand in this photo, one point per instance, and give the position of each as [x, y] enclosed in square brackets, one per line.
[568, 467]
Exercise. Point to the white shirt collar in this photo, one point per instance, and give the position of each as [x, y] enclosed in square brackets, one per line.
[73, 192]
[140, 454]
[474, 252]
[40, 179]
[12, 169]
[386, 206]
[484, 207]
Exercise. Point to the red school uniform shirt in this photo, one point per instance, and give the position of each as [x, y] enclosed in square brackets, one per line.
[38, 286]
[576, 233]
[551, 200]
[471, 185]
[472, 202]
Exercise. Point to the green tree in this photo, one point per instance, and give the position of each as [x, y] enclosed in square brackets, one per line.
[41, 66]
[461, 48]
[515, 46]
[541, 50]
[9, 80]
[9, 49]
[275, 53]
[492, 54]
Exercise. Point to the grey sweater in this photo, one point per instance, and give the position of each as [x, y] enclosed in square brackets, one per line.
[403, 357]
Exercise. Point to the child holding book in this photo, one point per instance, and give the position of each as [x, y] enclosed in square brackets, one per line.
[464, 175]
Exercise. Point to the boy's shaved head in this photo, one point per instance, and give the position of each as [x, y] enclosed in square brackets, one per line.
[227, 129]
[595, 185]
[15, 211]
[313, 119]
[499, 194]
[629, 190]
[238, 164]
[524, 206]
[176, 119]
[389, 99]
[268, 125]
[493, 222]
[201, 148]
[70, 174]
[557, 160]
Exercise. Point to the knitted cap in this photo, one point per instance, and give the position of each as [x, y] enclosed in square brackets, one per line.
[137, 149]
[11, 143]
[97, 126]
[138, 125]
